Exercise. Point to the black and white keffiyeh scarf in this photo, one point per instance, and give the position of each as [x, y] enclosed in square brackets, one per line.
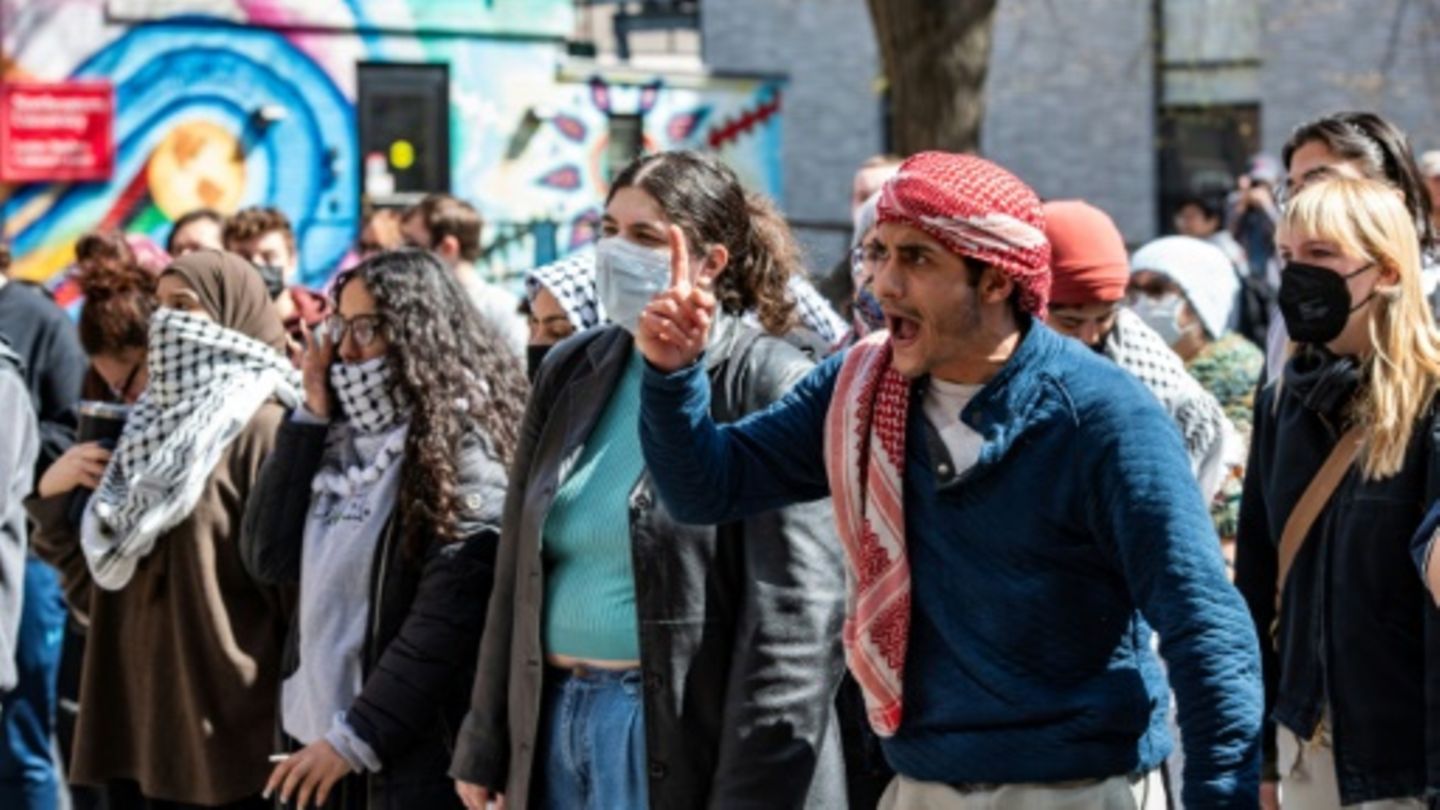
[1136, 348]
[369, 398]
[371, 437]
[206, 383]
[572, 281]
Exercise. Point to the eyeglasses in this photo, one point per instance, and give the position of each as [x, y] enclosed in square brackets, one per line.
[866, 257]
[364, 328]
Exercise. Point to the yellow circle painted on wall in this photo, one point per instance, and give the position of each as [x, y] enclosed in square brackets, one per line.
[402, 154]
[197, 165]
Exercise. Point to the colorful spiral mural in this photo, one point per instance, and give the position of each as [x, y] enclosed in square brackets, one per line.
[528, 130]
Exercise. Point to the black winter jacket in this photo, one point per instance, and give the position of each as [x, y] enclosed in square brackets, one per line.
[1357, 635]
[426, 616]
[739, 624]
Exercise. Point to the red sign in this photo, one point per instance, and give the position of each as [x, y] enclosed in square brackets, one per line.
[60, 131]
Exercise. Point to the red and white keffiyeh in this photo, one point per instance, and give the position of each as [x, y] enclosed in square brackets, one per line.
[976, 209]
[864, 460]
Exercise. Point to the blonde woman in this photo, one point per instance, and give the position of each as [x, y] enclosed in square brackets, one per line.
[1338, 480]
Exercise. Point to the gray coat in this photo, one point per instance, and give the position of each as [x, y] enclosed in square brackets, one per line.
[19, 445]
[739, 624]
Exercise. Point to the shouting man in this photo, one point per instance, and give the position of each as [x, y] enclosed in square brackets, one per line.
[1016, 511]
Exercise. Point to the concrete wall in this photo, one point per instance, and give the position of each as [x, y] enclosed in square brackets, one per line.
[1071, 92]
[1322, 56]
[1069, 104]
[832, 111]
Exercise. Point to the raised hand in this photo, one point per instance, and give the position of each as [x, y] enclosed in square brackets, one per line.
[315, 367]
[675, 326]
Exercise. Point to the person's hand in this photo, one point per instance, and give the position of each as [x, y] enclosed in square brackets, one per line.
[477, 797]
[675, 326]
[315, 368]
[80, 466]
[1269, 796]
[307, 774]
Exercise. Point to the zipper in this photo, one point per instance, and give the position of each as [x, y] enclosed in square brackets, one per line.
[640, 503]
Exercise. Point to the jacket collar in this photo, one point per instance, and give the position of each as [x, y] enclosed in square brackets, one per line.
[583, 397]
[723, 334]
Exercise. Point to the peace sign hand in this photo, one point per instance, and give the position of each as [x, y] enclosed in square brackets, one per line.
[675, 326]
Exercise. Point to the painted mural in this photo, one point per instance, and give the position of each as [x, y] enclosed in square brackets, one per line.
[529, 131]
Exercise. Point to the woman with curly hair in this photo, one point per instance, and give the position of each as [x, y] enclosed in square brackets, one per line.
[631, 661]
[382, 501]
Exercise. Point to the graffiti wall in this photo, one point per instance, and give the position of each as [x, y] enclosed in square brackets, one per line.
[529, 131]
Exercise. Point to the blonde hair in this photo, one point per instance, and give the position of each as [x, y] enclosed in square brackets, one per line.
[1368, 220]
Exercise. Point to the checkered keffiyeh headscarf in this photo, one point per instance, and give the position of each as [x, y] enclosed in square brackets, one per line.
[976, 209]
[572, 281]
[206, 383]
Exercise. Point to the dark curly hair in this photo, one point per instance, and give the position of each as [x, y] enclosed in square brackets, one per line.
[458, 375]
[704, 197]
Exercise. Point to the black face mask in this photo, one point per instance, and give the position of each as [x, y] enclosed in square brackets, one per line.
[274, 278]
[534, 356]
[1315, 302]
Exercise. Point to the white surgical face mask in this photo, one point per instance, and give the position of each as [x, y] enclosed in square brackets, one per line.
[1163, 315]
[627, 276]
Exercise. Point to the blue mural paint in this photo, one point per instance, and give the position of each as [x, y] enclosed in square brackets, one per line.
[306, 164]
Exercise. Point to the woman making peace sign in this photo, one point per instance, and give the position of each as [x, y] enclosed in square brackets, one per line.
[630, 661]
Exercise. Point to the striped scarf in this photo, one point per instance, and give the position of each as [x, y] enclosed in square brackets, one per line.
[864, 460]
[206, 383]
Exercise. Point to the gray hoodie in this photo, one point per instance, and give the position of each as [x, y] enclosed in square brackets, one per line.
[19, 446]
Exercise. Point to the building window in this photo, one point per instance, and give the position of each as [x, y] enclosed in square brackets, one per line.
[643, 30]
[404, 120]
[1208, 94]
[627, 140]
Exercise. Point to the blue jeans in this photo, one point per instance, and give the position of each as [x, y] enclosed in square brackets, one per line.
[593, 741]
[28, 776]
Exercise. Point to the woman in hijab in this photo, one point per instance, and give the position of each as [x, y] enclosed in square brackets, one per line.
[183, 652]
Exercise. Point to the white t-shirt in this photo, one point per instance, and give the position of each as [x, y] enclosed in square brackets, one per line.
[944, 401]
